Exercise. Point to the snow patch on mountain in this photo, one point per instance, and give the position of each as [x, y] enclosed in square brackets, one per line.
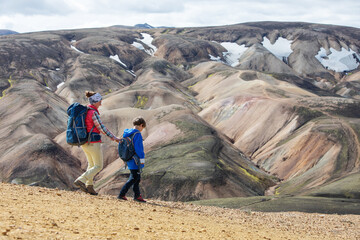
[339, 61]
[131, 72]
[59, 85]
[116, 58]
[147, 40]
[217, 59]
[234, 52]
[138, 46]
[281, 48]
[73, 47]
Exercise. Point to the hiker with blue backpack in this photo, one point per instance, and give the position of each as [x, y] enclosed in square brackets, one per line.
[92, 147]
[137, 160]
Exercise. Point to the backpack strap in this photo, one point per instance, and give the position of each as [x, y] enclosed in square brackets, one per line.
[132, 140]
[89, 137]
[132, 136]
[77, 135]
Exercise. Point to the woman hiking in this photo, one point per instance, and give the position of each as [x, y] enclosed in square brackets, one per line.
[92, 149]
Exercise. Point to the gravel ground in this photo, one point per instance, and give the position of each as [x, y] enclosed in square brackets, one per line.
[41, 213]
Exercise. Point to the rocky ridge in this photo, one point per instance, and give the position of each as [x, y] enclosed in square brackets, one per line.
[26, 215]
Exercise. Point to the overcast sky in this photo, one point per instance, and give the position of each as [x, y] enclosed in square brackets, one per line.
[38, 15]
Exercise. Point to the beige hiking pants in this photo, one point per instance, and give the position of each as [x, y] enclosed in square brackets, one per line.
[94, 157]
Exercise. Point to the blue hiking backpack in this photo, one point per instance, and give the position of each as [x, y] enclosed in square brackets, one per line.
[76, 133]
[126, 147]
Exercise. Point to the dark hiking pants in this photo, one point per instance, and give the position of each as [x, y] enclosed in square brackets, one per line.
[134, 181]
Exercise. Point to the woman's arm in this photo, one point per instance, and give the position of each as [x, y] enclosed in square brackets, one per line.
[101, 127]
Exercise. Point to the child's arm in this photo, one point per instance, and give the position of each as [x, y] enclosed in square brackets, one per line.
[139, 147]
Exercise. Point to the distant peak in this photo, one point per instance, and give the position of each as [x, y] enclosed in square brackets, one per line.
[145, 25]
[7, 32]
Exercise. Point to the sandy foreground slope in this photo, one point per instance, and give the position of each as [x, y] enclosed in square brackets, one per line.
[41, 213]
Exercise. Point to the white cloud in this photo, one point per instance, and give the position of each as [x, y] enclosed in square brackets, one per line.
[34, 7]
[39, 15]
[125, 6]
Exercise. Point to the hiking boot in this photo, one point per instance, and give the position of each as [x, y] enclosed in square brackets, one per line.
[122, 198]
[91, 190]
[81, 185]
[139, 199]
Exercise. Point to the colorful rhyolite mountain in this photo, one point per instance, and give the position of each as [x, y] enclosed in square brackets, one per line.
[233, 111]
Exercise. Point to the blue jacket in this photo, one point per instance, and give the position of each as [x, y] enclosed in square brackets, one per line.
[139, 148]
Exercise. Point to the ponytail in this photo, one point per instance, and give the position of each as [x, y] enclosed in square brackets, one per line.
[89, 93]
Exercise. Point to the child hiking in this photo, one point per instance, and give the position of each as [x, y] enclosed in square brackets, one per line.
[137, 162]
[92, 149]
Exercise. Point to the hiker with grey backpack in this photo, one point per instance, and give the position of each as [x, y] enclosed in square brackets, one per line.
[131, 150]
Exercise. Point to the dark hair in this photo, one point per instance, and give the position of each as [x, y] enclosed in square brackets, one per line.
[138, 121]
[89, 93]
